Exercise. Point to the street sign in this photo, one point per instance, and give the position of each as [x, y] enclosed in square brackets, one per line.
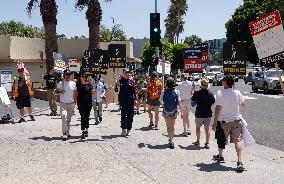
[6, 80]
[268, 37]
[234, 58]
[117, 55]
[60, 62]
[74, 65]
[166, 65]
[193, 62]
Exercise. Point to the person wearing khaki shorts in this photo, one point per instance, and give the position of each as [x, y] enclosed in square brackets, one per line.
[227, 110]
[51, 81]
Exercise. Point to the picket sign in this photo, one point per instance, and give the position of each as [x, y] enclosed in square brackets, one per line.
[4, 96]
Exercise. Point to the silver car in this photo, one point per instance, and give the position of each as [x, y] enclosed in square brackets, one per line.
[267, 81]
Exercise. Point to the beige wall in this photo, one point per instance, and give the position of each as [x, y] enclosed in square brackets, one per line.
[4, 47]
[26, 48]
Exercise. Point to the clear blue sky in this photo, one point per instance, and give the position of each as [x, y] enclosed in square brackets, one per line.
[205, 18]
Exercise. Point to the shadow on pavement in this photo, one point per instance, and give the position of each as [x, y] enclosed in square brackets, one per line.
[162, 146]
[214, 167]
[44, 138]
[41, 115]
[80, 124]
[111, 136]
[86, 140]
[191, 147]
[144, 129]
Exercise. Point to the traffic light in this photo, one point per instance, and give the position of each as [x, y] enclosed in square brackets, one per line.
[155, 30]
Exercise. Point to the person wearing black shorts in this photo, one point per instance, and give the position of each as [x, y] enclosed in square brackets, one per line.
[22, 96]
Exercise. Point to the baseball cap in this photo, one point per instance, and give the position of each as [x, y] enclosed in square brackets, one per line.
[126, 70]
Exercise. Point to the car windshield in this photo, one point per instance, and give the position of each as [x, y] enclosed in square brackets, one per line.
[210, 74]
[273, 73]
[220, 75]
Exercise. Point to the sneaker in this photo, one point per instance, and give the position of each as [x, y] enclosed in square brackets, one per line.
[196, 143]
[128, 133]
[100, 119]
[240, 167]
[68, 135]
[188, 132]
[64, 137]
[184, 134]
[32, 117]
[156, 127]
[52, 113]
[123, 133]
[218, 158]
[206, 146]
[83, 135]
[86, 133]
[171, 145]
[22, 120]
[151, 125]
[97, 122]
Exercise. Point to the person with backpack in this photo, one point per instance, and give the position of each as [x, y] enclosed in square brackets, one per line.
[170, 98]
[153, 98]
[127, 97]
[204, 100]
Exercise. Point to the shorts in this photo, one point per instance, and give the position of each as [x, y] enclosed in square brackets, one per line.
[185, 105]
[203, 121]
[172, 115]
[23, 101]
[154, 102]
[142, 96]
[234, 129]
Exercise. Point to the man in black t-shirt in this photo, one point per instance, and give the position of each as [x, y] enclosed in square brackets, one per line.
[203, 114]
[51, 82]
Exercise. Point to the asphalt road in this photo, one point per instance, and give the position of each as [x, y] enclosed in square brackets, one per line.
[264, 115]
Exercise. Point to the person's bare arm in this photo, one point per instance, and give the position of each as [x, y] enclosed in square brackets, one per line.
[75, 95]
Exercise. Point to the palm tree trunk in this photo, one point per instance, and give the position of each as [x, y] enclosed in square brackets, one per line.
[50, 43]
[94, 16]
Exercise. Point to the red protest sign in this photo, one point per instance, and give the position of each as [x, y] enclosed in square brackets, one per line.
[193, 65]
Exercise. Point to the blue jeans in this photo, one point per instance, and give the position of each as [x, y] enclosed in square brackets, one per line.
[98, 109]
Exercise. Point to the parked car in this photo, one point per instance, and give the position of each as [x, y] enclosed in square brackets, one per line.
[250, 77]
[267, 81]
[210, 75]
[217, 80]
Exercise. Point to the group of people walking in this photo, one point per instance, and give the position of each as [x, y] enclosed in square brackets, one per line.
[88, 92]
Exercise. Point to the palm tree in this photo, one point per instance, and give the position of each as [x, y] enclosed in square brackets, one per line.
[48, 11]
[94, 17]
[174, 21]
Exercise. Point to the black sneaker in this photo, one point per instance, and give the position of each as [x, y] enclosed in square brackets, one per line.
[171, 145]
[240, 167]
[64, 137]
[100, 118]
[218, 158]
[22, 120]
[86, 133]
[97, 122]
[83, 135]
[52, 113]
[32, 117]
[151, 125]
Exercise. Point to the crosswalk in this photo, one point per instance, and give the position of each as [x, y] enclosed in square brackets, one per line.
[264, 95]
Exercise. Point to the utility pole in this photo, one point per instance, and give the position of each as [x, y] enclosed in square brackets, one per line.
[156, 11]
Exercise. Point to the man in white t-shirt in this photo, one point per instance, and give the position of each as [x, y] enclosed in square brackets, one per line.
[186, 89]
[67, 90]
[228, 102]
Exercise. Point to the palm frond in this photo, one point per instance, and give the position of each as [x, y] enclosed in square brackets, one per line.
[32, 4]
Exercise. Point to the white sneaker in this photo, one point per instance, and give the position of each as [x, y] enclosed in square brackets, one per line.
[123, 133]
[128, 133]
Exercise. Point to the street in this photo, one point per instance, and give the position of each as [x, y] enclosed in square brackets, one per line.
[264, 115]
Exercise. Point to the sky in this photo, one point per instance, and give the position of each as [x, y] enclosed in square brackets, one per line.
[205, 18]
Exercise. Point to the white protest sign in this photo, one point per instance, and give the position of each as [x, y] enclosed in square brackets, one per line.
[268, 37]
[6, 79]
[4, 96]
[74, 65]
[166, 65]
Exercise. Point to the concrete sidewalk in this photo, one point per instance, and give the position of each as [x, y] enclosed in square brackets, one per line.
[33, 152]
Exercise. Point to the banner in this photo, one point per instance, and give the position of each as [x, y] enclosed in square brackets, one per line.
[95, 61]
[74, 65]
[204, 51]
[167, 67]
[234, 58]
[193, 62]
[117, 55]
[4, 96]
[60, 62]
[6, 80]
[268, 37]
